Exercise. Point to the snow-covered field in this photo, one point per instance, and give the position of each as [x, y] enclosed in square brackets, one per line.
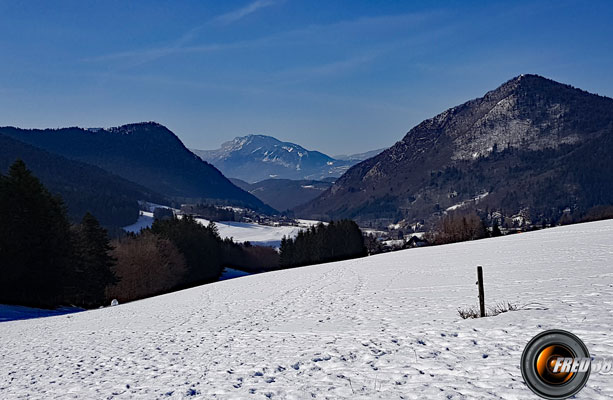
[263, 235]
[381, 327]
[145, 219]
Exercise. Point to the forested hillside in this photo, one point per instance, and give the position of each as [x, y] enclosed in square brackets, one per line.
[83, 187]
[146, 153]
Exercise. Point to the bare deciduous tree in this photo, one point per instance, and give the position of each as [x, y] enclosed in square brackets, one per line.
[457, 227]
[147, 265]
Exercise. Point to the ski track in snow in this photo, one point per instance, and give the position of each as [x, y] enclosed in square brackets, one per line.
[381, 327]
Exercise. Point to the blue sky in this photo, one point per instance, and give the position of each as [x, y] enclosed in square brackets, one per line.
[336, 76]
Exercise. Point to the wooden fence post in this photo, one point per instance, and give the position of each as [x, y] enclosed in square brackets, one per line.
[481, 292]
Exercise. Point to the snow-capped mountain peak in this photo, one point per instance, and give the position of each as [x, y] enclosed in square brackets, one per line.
[257, 157]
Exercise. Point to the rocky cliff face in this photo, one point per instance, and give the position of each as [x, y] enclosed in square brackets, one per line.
[522, 146]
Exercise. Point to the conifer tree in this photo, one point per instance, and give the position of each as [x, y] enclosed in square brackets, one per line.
[323, 243]
[94, 262]
[34, 240]
[496, 230]
[201, 246]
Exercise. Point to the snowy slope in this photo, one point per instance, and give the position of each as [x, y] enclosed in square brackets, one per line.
[382, 327]
[145, 219]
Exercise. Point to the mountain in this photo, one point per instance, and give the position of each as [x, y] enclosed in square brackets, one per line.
[254, 158]
[147, 153]
[359, 156]
[83, 187]
[284, 194]
[532, 146]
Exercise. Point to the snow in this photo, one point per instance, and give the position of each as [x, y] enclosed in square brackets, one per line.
[145, 219]
[475, 199]
[406, 239]
[381, 327]
[152, 206]
[262, 235]
[394, 242]
[455, 206]
[375, 232]
[307, 223]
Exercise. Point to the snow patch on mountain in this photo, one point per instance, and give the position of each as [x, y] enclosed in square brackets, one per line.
[474, 200]
[504, 127]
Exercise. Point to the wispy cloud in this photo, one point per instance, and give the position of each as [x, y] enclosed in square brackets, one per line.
[142, 56]
[241, 13]
[136, 57]
[333, 68]
[355, 28]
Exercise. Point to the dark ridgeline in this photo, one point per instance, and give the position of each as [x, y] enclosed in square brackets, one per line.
[284, 194]
[338, 240]
[146, 153]
[532, 144]
[83, 187]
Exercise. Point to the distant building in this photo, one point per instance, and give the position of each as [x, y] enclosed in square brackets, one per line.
[416, 242]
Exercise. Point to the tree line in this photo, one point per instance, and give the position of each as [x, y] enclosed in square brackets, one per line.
[210, 212]
[46, 261]
[338, 240]
[461, 226]
[83, 187]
